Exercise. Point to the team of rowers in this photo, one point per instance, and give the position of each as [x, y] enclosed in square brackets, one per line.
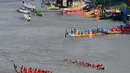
[30, 70]
[86, 64]
[88, 31]
[118, 29]
[75, 62]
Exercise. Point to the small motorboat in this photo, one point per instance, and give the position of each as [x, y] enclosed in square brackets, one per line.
[23, 10]
[26, 17]
[38, 13]
[28, 6]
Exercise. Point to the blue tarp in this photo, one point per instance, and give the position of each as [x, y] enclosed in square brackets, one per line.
[87, 2]
[125, 11]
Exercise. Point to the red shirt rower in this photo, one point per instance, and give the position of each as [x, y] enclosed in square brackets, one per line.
[25, 70]
[36, 71]
[30, 70]
[21, 69]
[43, 71]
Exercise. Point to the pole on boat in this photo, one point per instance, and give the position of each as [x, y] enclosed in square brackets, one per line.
[30, 17]
[66, 33]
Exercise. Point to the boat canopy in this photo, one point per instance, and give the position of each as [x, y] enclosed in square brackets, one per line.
[27, 5]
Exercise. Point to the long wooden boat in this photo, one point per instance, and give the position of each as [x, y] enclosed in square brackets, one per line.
[84, 35]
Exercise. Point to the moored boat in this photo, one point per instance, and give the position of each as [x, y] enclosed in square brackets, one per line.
[39, 13]
[72, 11]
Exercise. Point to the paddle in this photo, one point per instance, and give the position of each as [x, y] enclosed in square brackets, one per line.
[15, 68]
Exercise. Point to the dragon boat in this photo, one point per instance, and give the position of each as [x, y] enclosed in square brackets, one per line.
[98, 31]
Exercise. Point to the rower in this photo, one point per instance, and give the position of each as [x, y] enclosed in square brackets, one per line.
[113, 29]
[90, 32]
[93, 66]
[21, 69]
[30, 70]
[66, 33]
[105, 30]
[81, 33]
[78, 32]
[23, 2]
[25, 70]
[103, 68]
[121, 26]
[98, 30]
[72, 30]
[76, 62]
[99, 66]
[75, 30]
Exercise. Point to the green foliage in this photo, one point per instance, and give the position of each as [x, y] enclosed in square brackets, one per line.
[121, 6]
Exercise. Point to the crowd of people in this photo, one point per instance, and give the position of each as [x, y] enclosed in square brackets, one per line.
[87, 64]
[30, 70]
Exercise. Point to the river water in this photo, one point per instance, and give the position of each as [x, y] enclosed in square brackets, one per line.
[41, 44]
